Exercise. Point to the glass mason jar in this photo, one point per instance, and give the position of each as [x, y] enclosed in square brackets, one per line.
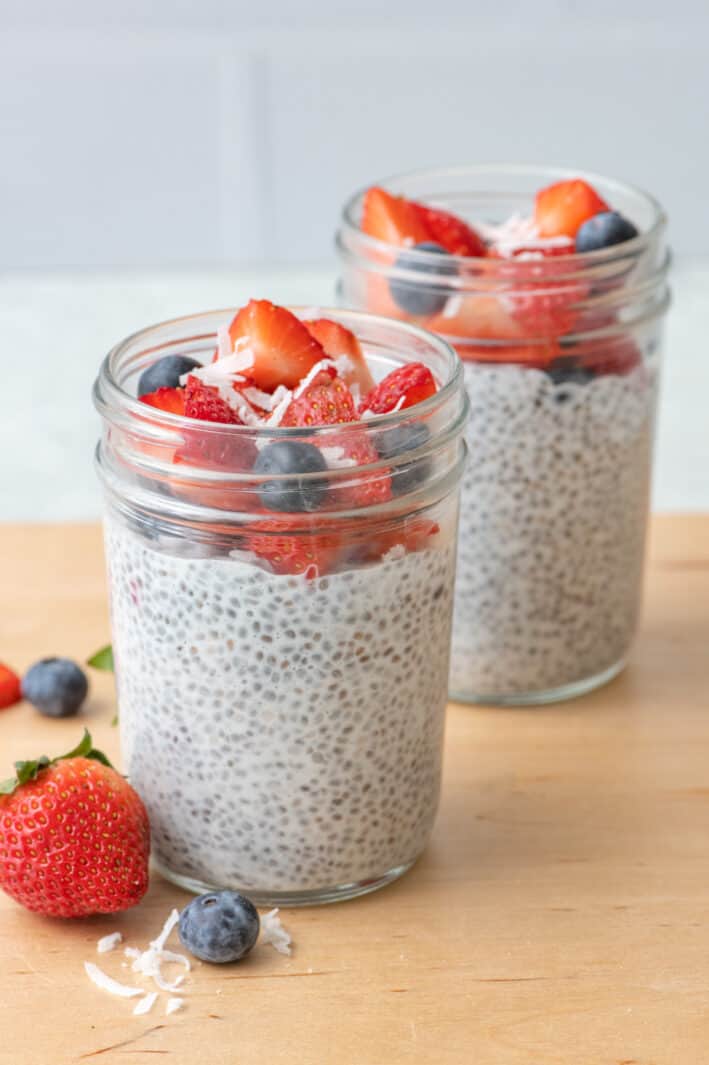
[282, 676]
[561, 358]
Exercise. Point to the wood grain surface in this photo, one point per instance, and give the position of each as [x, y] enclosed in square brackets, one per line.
[560, 915]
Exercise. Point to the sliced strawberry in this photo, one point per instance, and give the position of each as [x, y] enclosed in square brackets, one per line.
[613, 355]
[562, 208]
[204, 402]
[403, 387]
[452, 233]
[283, 349]
[481, 318]
[393, 219]
[362, 492]
[338, 340]
[326, 401]
[170, 399]
[289, 550]
[10, 692]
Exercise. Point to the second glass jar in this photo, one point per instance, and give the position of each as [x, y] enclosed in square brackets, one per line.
[561, 360]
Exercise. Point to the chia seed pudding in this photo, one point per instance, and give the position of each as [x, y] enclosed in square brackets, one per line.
[297, 724]
[281, 542]
[553, 518]
[552, 287]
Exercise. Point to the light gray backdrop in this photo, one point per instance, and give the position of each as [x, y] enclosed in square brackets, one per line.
[147, 132]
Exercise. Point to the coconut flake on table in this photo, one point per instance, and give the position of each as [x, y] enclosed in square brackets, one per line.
[109, 943]
[173, 1005]
[273, 932]
[149, 962]
[107, 983]
[144, 1005]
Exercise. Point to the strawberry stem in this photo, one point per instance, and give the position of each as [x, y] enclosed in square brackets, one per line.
[30, 770]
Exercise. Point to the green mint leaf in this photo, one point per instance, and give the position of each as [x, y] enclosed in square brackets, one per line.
[103, 659]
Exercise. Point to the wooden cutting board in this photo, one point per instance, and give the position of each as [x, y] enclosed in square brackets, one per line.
[560, 915]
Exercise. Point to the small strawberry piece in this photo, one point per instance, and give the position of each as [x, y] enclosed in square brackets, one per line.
[326, 401]
[169, 399]
[364, 491]
[287, 550]
[9, 687]
[549, 312]
[283, 349]
[393, 219]
[74, 836]
[452, 233]
[562, 208]
[482, 318]
[403, 387]
[615, 355]
[204, 402]
[337, 340]
[413, 534]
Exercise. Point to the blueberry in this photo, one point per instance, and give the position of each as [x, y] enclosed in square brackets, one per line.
[421, 299]
[603, 230]
[397, 441]
[568, 371]
[291, 457]
[165, 373]
[220, 926]
[55, 686]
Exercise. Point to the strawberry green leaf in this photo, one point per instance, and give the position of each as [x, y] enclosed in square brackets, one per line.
[30, 770]
[85, 749]
[103, 659]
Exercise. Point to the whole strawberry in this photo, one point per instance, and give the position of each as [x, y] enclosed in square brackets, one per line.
[74, 836]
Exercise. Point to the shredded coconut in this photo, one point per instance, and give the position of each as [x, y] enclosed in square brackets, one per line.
[276, 416]
[273, 932]
[324, 364]
[144, 1005]
[266, 400]
[336, 458]
[109, 943]
[107, 983]
[173, 1005]
[453, 306]
[228, 368]
[519, 232]
[149, 962]
[394, 553]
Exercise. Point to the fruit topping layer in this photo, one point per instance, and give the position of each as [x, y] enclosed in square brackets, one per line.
[532, 299]
[273, 370]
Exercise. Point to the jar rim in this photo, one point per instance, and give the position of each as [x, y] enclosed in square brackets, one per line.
[351, 222]
[109, 395]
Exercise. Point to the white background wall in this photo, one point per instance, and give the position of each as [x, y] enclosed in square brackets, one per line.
[158, 156]
[152, 132]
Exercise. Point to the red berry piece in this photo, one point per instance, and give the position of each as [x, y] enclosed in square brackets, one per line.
[402, 388]
[74, 836]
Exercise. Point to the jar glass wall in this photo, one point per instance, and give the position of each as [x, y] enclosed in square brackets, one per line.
[561, 359]
[282, 678]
